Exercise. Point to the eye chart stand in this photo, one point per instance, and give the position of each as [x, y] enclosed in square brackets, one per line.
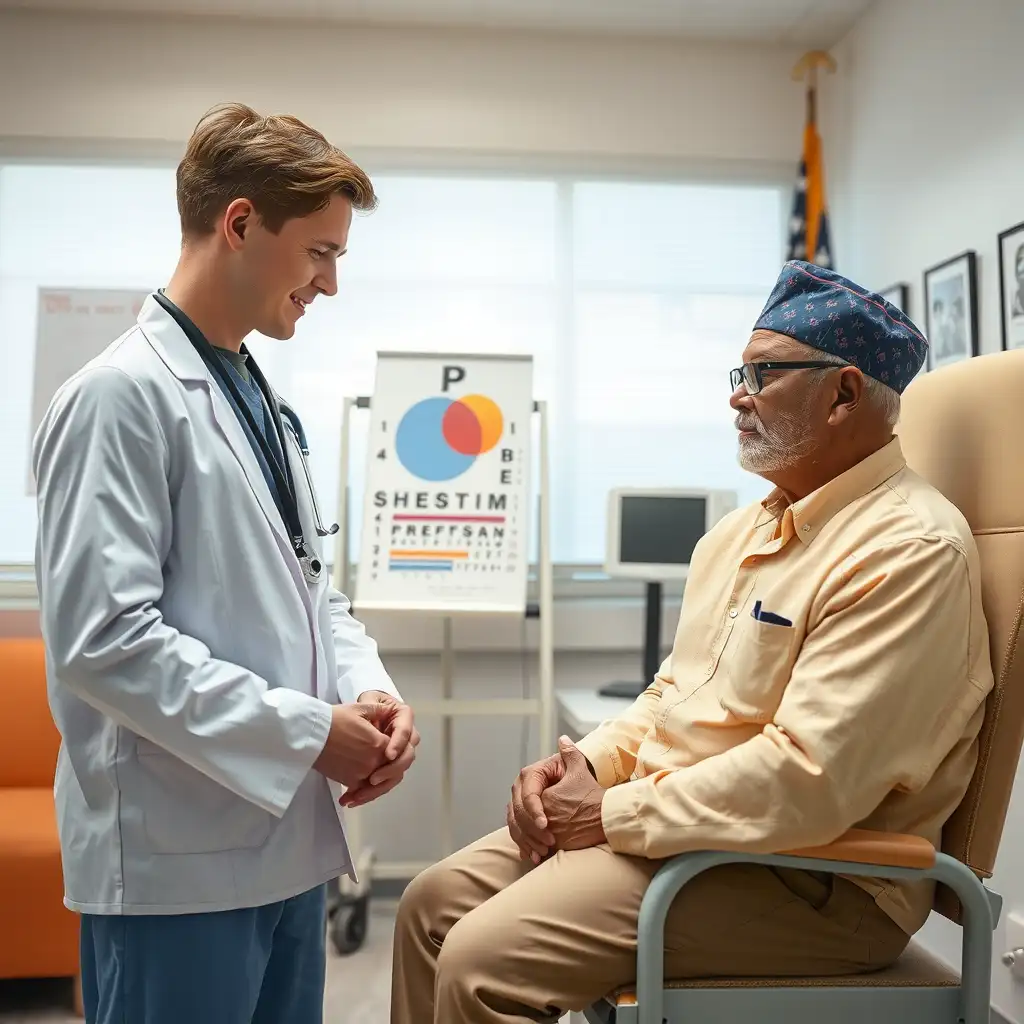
[350, 910]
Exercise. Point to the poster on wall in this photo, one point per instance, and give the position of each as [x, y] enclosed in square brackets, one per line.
[1011, 285]
[447, 503]
[898, 295]
[74, 325]
[951, 310]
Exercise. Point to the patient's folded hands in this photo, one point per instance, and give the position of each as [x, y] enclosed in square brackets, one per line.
[525, 812]
[572, 807]
[555, 805]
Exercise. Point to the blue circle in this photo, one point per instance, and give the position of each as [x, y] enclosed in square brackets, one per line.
[420, 443]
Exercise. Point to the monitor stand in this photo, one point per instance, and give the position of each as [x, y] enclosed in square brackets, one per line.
[652, 649]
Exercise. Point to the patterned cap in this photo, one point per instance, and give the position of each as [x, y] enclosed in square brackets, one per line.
[832, 314]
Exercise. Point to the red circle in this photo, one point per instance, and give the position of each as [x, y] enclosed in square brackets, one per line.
[461, 429]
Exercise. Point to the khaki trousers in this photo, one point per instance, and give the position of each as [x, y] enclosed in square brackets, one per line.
[484, 938]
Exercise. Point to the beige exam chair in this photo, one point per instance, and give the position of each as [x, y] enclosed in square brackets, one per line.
[960, 429]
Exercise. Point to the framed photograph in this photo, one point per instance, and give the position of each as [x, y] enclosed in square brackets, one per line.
[1011, 285]
[951, 310]
[898, 295]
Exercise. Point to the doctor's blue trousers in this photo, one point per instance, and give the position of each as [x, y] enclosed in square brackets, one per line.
[263, 965]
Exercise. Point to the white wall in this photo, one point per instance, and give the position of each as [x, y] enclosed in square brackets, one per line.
[923, 142]
[924, 146]
[631, 101]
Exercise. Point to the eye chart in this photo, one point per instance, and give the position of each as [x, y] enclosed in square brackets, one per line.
[447, 504]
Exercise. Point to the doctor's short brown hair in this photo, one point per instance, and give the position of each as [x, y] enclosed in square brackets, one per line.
[282, 166]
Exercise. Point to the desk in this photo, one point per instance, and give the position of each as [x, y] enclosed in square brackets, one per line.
[582, 711]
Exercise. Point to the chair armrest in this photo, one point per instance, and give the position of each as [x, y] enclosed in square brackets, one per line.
[888, 849]
[857, 852]
[860, 846]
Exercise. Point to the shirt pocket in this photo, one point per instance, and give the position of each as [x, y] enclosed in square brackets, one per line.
[755, 669]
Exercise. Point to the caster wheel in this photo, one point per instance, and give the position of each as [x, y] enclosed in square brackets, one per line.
[348, 927]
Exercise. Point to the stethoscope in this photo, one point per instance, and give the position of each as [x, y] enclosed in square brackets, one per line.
[280, 469]
[295, 425]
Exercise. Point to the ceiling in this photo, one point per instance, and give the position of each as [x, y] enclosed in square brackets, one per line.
[815, 24]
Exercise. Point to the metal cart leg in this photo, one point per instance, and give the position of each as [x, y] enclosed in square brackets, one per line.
[348, 909]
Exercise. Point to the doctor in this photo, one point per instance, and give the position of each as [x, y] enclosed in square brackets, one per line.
[213, 693]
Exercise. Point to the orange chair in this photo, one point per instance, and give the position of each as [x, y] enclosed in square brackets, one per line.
[39, 938]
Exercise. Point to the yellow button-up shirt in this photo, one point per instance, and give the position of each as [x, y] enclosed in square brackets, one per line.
[829, 671]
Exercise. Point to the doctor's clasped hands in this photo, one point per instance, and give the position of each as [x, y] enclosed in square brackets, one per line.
[370, 746]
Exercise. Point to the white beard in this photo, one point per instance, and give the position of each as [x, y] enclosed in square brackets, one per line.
[787, 442]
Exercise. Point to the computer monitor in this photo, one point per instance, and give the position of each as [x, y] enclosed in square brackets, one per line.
[652, 532]
[651, 536]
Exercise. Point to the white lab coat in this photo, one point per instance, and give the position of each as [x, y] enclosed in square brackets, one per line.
[190, 666]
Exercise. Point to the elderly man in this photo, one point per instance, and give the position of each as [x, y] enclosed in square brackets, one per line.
[829, 671]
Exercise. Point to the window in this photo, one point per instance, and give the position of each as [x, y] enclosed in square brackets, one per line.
[635, 300]
[667, 282]
[73, 227]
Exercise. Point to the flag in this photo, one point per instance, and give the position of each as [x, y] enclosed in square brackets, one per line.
[809, 237]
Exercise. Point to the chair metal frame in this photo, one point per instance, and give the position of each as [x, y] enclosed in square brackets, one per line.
[775, 1002]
